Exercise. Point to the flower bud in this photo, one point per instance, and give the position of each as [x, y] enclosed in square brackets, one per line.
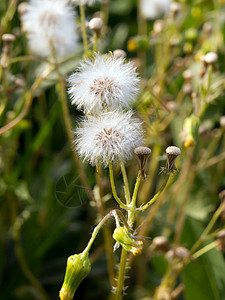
[96, 25]
[187, 75]
[158, 26]
[142, 154]
[161, 244]
[178, 252]
[211, 58]
[222, 122]
[78, 267]
[7, 39]
[119, 53]
[190, 131]
[138, 43]
[175, 9]
[124, 238]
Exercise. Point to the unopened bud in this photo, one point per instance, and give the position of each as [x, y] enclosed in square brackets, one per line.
[96, 25]
[222, 122]
[125, 239]
[207, 28]
[222, 195]
[22, 8]
[175, 8]
[142, 154]
[178, 252]
[78, 267]
[8, 39]
[119, 53]
[187, 88]
[211, 58]
[191, 34]
[160, 243]
[190, 131]
[187, 74]
[158, 26]
[138, 43]
[172, 106]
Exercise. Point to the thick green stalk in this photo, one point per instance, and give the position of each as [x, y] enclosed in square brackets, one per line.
[131, 219]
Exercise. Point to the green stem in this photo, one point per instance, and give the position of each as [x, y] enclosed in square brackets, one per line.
[98, 227]
[84, 32]
[126, 184]
[205, 249]
[131, 219]
[119, 290]
[95, 47]
[144, 207]
[121, 204]
[132, 210]
[208, 227]
[106, 231]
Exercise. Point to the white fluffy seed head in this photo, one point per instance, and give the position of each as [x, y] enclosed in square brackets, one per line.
[153, 9]
[172, 150]
[50, 24]
[109, 137]
[103, 82]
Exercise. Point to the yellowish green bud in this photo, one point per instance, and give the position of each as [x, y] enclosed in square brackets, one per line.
[78, 267]
[138, 43]
[190, 130]
[124, 238]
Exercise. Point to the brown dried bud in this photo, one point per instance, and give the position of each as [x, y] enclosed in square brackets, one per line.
[160, 243]
[222, 122]
[187, 74]
[222, 195]
[207, 28]
[187, 88]
[8, 38]
[175, 9]
[172, 106]
[178, 252]
[172, 153]
[22, 8]
[142, 154]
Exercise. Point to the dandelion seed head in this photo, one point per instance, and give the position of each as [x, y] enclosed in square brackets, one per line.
[50, 23]
[110, 137]
[103, 82]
